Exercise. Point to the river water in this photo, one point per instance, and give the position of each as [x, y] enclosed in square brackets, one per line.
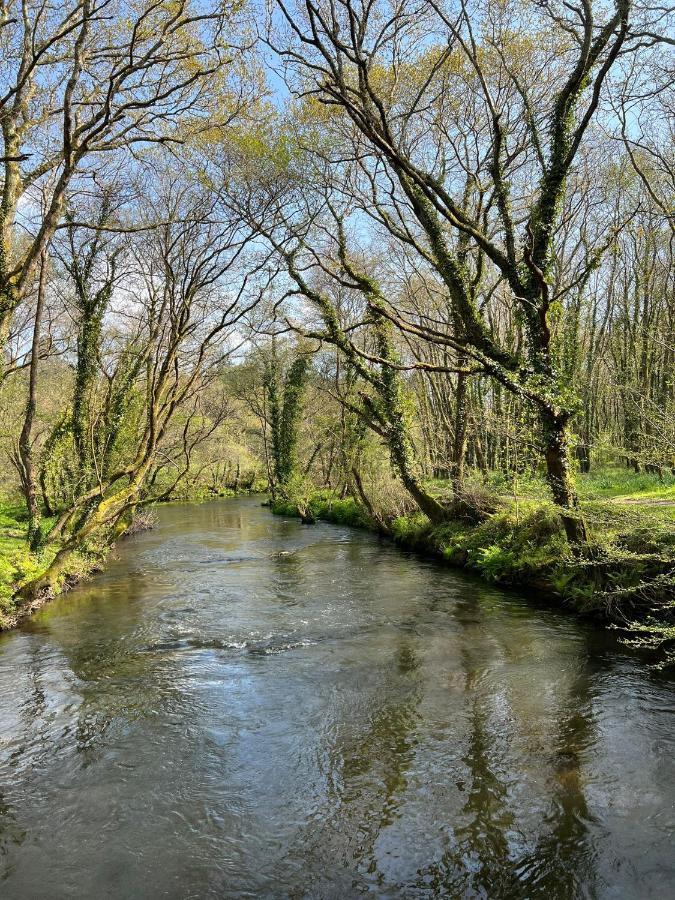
[242, 706]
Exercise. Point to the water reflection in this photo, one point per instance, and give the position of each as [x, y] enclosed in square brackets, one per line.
[497, 850]
[366, 767]
[241, 706]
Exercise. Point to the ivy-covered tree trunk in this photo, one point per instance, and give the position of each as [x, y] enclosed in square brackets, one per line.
[291, 410]
[284, 415]
[92, 268]
[116, 408]
[88, 350]
[29, 478]
[460, 433]
[392, 414]
[7, 306]
[10, 184]
[271, 381]
[557, 457]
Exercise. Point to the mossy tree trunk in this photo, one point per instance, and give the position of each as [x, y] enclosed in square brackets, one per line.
[28, 470]
[285, 410]
[393, 416]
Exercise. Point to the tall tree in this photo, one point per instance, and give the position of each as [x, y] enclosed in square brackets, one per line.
[412, 82]
[83, 82]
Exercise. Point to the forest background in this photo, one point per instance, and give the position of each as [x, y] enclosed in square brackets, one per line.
[406, 265]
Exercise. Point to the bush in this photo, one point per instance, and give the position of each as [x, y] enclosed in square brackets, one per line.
[512, 544]
[342, 512]
[411, 530]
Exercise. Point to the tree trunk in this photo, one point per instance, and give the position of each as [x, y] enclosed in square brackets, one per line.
[402, 458]
[88, 349]
[584, 458]
[556, 454]
[460, 433]
[46, 499]
[427, 504]
[25, 440]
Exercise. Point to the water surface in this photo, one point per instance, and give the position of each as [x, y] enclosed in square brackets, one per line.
[242, 706]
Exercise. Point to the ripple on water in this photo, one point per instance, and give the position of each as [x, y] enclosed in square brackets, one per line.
[242, 706]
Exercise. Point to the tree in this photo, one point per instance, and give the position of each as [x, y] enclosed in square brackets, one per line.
[414, 85]
[284, 401]
[81, 84]
[193, 287]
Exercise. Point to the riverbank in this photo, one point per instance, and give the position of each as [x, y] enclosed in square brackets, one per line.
[624, 578]
[19, 565]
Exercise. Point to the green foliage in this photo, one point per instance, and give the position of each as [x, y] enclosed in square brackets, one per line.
[19, 565]
[495, 563]
[322, 505]
[655, 636]
[298, 490]
[341, 512]
[281, 507]
[291, 410]
[411, 530]
[285, 409]
[270, 147]
[513, 544]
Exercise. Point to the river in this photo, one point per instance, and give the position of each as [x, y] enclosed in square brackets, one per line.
[243, 706]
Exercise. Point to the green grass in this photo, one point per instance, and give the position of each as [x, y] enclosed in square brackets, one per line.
[624, 483]
[16, 561]
[18, 564]
[616, 483]
[12, 528]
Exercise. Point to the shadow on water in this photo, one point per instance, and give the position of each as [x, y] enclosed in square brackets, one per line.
[241, 706]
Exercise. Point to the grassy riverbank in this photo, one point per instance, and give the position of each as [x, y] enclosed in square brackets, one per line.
[19, 565]
[625, 576]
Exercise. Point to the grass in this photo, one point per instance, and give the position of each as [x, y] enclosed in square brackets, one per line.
[653, 493]
[18, 564]
[640, 489]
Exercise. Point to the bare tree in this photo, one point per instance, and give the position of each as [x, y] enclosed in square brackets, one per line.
[193, 287]
[81, 81]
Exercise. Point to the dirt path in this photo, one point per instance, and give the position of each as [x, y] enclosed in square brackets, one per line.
[646, 501]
